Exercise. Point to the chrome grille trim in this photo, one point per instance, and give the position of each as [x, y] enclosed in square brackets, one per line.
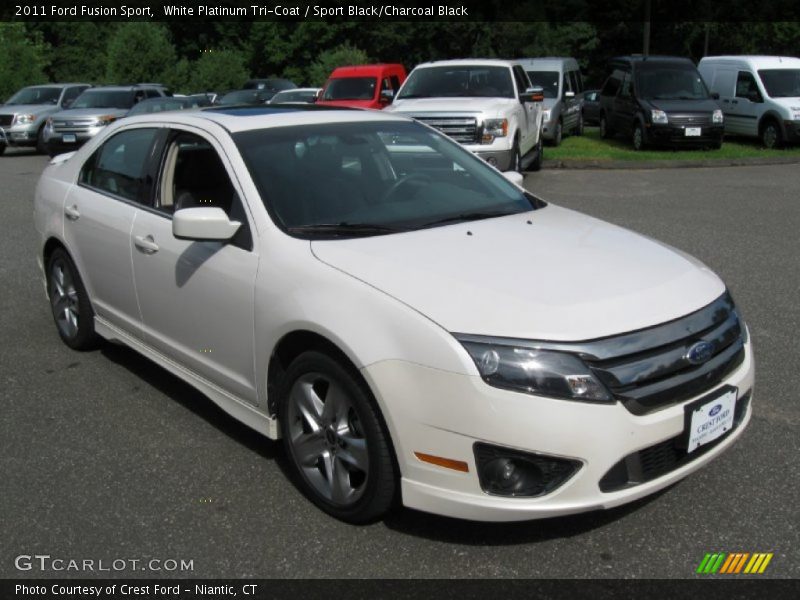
[690, 120]
[462, 129]
[6, 120]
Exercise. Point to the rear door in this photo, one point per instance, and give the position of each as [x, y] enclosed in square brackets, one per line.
[723, 82]
[572, 106]
[196, 297]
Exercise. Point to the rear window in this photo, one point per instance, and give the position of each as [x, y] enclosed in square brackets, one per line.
[350, 88]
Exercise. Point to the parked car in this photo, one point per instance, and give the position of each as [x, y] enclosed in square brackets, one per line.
[23, 116]
[360, 286]
[95, 108]
[488, 106]
[363, 86]
[298, 95]
[163, 104]
[659, 100]
[591, 109]
[269, 86]
[561, 80]
[203, 99]
[759, 95]
[246, 97]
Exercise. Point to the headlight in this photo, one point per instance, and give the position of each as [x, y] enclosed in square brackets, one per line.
[533, 371]
[24, 119]
[659, 117]
[105, 120]
[494, 128]
[545, 116]
[717, 116]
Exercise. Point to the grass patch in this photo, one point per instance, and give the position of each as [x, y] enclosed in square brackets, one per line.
[590, 146]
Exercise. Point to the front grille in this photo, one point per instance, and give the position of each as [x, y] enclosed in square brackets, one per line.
[662, 458]
[5, 120]
[464, 130]
[73, 125]
[650, 369]
[691, 120]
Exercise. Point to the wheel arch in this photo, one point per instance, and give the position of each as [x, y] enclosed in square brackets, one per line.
[768, 116]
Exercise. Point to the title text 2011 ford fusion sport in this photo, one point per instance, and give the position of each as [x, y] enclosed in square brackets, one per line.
[410, 322]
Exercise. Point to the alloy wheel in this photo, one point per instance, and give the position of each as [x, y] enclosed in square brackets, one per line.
[64, 299]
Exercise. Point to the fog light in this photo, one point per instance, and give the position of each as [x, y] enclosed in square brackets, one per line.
[507, 472]
[492, 161]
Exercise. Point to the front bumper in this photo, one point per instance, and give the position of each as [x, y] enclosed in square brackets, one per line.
[444, 414]
[502, 159]
[19, 135]
[676, 134]
[55, 139]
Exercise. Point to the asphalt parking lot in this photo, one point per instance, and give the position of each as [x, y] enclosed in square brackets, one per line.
[105, 456]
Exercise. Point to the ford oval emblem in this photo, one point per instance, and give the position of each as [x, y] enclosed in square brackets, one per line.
[715, 411]
[700, 352]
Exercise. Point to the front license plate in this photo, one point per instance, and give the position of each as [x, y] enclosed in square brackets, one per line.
[709, 418]
[693, 131]
[68, 138]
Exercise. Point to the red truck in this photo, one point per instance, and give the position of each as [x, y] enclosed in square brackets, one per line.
[363, 86]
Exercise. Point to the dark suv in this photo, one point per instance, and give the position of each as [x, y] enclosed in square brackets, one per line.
[659, 100]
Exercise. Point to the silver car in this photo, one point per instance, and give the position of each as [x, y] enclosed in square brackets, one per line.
[23, 116]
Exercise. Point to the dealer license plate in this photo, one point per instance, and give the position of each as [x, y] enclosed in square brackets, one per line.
[693, 131]
[711, 418]
[68, 138]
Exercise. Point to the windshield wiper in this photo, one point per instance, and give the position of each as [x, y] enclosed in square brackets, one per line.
[345, 228]
[467, 216]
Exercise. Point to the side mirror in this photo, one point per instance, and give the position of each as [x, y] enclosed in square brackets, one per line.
[203, 223]
[714, 95]
[532, 94]
[514, 177]
[569, 94]
[386, 96]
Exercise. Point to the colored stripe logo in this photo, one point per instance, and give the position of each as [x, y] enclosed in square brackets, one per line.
[734, 563]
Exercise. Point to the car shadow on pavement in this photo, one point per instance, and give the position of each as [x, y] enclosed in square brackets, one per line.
[190, 398]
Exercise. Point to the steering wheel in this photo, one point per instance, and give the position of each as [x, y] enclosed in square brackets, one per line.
[417, 178]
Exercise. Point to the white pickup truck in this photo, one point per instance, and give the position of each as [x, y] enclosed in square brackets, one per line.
[488, 106]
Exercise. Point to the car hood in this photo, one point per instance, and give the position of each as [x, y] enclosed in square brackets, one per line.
[13, 109]
[681, 106]
[451, 104]
[564, 277]
[73, 113]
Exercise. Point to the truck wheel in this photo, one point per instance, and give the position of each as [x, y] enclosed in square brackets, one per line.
[536, 165]
[2, 149]
[771, 135]
[41, 145]
[605, 130]
[579, 126]
[558, 134]
[516, 159]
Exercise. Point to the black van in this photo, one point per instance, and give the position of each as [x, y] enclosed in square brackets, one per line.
[659, 100]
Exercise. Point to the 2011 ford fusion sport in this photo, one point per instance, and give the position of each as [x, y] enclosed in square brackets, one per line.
[410, 322]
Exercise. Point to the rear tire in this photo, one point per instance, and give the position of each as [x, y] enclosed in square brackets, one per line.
[335, 439]
[637, 139]
[69, 302]
[2, 149]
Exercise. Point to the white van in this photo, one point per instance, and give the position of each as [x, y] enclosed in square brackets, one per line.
[563, 95]
[759, 95]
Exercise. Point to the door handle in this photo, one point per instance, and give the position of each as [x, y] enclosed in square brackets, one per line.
[726, 101]
[72, 212]
[146, 244]
[734, 102]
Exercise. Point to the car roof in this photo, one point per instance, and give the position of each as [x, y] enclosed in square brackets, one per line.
[293, 90]
[246, 118]
[756, 61]
[637, 59]
[548, 61]
[478, 62]
[45, 85]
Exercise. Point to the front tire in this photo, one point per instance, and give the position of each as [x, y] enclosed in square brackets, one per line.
[637, 139]
[771, 136]
[605, 130]
[516, 158]
[41, 145]
[2, 149]
[558, 134]
[69, 302]
[335, 439]
[579, 126]
[536, 165]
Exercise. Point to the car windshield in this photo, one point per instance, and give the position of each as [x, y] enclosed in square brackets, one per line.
[269, 84]
[350, 88]
[371, 178]
[243, 97]
[292, 96]
[781, 83]
[670, 82]
[35, 95]
[460, 81]
[547, 80]
[159, 105]
[104, 99]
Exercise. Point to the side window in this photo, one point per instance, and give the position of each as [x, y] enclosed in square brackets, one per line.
[565, 84]
[70, 94]
[395, 83]
[193, 175]
[151, 93]
[746, 86]
[612, 84]
[573, 80]
[118, 166]
[625, 88]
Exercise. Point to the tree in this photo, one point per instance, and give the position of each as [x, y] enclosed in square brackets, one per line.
[77, 49]
[340, 56]
[218, 70]
[23, 59]
[139, 52]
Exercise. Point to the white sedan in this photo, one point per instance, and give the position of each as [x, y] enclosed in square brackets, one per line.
[413, 324]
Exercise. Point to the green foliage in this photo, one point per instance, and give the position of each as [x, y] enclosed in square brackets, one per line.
[218, 70]
[139, 52]
[22, 60]
[77, 51]
[340, 56]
